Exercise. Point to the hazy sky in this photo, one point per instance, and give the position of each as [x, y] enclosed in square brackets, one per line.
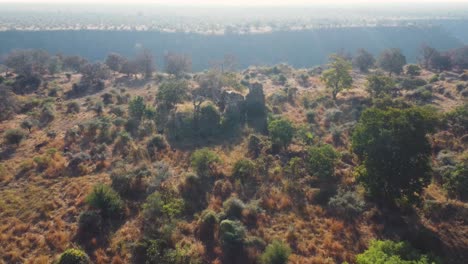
[230, 2]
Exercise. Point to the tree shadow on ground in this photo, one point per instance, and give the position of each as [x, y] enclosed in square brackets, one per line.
[408, 226]
[227, 142]
[129, 82]
[7, 153]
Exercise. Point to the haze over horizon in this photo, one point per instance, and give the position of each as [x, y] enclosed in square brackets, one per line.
[232, 3]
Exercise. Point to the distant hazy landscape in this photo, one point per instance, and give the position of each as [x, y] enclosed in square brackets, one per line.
[301, 37]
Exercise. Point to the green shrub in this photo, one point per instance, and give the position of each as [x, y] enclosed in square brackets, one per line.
[207, 226]
[231, 236]
[413, 70]
[278, 98]
[233, 208]
[457, 120]
[456, 182]
[106, 200]
[322, 161]
[172, 92]
[203, 161]
[254, 145]
[47, 114]
[183, 253]
[392, 252]
[162, 205]
[281, 132]
[379, 85]
[117, 110]
[98, 108]
[73, 107]
[243, 170]
[130, 183]
[209, 120]
[180, 127]
[193, 191]
[310, 116]
[14, 136]
[136, 108]
[411, 84]
[156, 143]
[422, 94]
[276, 253]
[28, 124]
[346, 203]
[107, 98]
[434, 78]
[74, 256]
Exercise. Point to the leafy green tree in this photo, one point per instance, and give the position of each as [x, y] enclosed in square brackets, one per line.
[172, 92]
[281, 132]
[94, 72]
[322, 161]
[73, 63]
[177, 64]
[105, 199]
[115, 61]
[392, 61]
[145, 63]
[55, 65]
[243, 169]
[163, 205]
[231, 236]
[363, 60]
[203, 161]
[395, 152]
[392, 252]
[136, 108]
[441, 62]
[379, 85]
[337, 77]
[193, 190]
[208, 120]
[276, 253]
[456, 183]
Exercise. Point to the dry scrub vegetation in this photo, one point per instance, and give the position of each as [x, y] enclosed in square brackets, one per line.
[173, 192]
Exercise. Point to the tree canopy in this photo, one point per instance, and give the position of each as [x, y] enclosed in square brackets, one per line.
[394, 151]
[363, 60]
[281, 132]
[172, 92]
[392, 61]
[379, 84]
[337, 77]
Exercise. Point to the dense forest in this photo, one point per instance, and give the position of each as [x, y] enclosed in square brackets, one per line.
[130, 159]
[298, 48]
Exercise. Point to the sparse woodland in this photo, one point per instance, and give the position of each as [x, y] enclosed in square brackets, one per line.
[363, 160]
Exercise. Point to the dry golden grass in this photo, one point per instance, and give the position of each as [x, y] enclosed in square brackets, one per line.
[39, 209]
